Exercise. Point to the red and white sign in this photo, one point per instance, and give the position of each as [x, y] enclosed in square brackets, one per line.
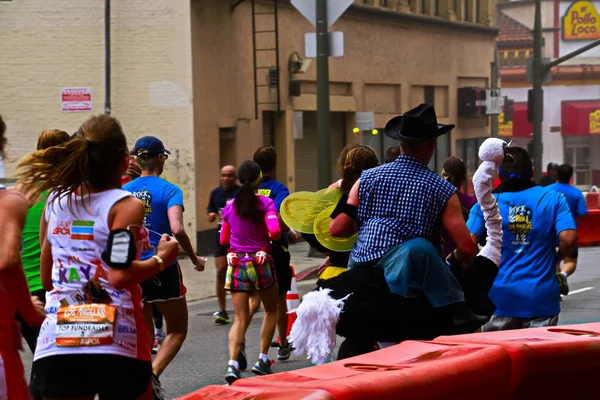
[76, 99]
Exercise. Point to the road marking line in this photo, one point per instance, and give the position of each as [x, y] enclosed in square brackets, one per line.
[585, 289]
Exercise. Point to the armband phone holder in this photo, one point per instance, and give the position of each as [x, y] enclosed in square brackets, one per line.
[120, 250]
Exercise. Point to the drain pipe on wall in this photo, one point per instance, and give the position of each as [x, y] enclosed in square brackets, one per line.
[107, 57]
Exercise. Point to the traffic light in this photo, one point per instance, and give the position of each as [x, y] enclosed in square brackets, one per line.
[509, 110]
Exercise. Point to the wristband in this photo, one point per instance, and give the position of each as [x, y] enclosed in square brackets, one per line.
[161, 263]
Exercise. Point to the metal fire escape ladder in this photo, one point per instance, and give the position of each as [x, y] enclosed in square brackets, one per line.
[265, 44]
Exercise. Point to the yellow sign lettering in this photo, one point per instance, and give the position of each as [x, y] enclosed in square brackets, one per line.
[595, 122]
[581, 22]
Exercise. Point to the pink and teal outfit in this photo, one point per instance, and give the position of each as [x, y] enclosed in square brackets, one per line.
[249, 264]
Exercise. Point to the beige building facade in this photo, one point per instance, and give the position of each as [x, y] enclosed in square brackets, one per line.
[185, 72]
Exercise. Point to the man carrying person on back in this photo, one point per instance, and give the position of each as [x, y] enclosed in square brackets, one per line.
[399, 210]
[578, 208]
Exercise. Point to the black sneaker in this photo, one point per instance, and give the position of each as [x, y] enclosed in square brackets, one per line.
[221, 317]
[563, 284]
[233, 374]
[284, 352]
[157, 391]
[242, 360]
[262, 368]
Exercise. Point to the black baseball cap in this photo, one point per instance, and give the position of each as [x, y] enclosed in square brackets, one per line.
[150, 145]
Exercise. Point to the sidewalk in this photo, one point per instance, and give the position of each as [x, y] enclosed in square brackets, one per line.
[201, 285]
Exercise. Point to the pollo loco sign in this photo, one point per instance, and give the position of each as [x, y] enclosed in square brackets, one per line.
[581, 22]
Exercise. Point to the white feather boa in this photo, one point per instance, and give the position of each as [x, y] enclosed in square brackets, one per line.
[313, 331]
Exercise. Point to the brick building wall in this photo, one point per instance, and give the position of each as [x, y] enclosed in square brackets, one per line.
[47, 45]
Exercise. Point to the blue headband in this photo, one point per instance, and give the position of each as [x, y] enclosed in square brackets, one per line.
[516, 175]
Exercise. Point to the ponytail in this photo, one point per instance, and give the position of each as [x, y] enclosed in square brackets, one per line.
[61, 169]
[91, 159]
[245, 202]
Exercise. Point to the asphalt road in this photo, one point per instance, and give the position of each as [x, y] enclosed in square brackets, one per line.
[203, 358]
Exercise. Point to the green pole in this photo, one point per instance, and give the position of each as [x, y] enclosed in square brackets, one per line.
[538, 107]
[323, 141]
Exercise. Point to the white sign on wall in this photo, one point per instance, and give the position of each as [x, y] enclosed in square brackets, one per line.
[76, 99]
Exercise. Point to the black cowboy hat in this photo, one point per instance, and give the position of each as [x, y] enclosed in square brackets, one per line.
[417, 125]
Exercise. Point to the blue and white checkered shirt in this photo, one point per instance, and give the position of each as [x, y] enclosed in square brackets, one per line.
[399, 201]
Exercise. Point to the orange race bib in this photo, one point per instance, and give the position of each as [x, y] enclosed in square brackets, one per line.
[85, 325]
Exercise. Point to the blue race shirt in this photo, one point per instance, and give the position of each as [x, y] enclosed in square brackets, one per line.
[158, 196]
[526, 285]
[575, 198]
[277, 192]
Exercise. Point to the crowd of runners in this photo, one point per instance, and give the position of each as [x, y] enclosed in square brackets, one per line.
[91, 233]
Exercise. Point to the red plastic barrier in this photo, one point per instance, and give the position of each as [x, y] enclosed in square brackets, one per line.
[591, 201]
[588, 228]
[547, 363]
[242, 393]
[410, 370]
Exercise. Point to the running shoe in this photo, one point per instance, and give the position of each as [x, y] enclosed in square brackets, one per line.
[563, 284]
[263, 368]
[221, 317]
[158, 392]
[284, 352]
[233, 374]
[242, 360]
[159, 338]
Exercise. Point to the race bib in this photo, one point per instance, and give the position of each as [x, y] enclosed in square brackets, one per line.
[85, 325]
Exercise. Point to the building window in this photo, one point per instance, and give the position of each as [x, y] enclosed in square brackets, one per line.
[577, 155]
[477, 10]
[429, 95]
[436, 10]
[383, 3]
[423, 6]
[466, 13]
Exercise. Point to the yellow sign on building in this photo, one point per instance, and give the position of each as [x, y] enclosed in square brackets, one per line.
[581, 22]
[595, 122]
[504, 129]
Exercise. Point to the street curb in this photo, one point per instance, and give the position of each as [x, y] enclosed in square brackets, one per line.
[308, 273]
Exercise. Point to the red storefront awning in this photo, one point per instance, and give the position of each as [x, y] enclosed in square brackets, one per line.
[580, 117]
[521, 126]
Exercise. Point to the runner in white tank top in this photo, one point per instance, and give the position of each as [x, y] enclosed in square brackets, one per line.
[94, 339]
[77, 241]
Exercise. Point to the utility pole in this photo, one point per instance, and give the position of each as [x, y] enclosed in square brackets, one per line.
[540, 70]
[538, 95]
[494, 65]
[323, 134]
[494, 77]
[107, 57]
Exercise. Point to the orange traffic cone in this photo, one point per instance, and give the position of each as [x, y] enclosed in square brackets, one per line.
[293, 302]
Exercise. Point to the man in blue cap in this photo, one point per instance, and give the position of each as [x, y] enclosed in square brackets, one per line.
[163, 203]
